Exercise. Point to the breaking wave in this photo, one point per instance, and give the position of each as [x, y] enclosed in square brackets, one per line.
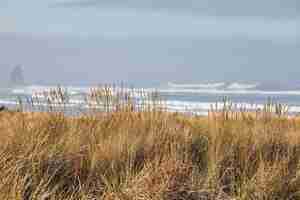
[204, 85]
[29, 90]
[241, 86]
[218, 88]
[217, 85]
[229, 92]
[33, 89]
[193, 104]
[8, 102]
[198, 108]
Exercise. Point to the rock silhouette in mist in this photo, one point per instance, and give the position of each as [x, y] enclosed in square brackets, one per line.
[17, 76]
[2, 108]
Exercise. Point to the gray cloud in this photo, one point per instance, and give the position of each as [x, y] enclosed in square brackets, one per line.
[69, 60]
[263, 8]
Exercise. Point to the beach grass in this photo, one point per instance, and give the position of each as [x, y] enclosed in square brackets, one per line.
[149, 155]
[123, 148]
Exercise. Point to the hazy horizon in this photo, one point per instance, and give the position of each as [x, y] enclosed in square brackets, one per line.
[96, 41]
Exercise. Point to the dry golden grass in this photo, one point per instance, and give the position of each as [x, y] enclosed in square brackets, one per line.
[148, 156]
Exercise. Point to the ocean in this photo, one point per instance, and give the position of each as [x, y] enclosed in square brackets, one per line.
[181, 97]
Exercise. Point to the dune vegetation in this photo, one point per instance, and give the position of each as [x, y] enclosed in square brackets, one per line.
[149, 155]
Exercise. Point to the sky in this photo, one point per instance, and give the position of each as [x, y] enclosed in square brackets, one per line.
[92, 41]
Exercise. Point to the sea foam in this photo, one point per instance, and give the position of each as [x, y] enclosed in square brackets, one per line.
[241, 86]
[203, 85]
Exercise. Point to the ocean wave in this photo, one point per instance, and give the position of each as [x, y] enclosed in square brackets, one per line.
[181, 90]
[29, 90]
[7, 102]
[38, 89]
[241, 86]
[188, 105]
[217, 85]
[203, 85]
[197, 108]
[228, 92]
[204, 107]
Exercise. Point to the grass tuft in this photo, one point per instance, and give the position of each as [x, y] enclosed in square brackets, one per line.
[149, 155]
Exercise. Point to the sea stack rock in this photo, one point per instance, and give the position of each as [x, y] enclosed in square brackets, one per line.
[17, 76]
[2, 108]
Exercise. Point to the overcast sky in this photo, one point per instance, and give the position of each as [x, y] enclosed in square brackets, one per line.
[158, 41]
